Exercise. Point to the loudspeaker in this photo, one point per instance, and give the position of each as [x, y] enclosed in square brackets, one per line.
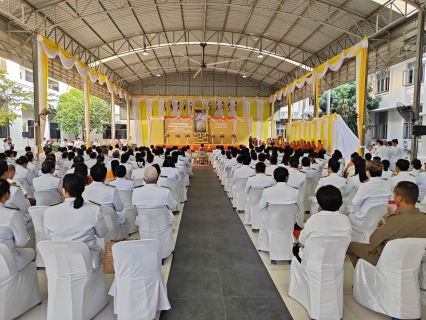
[419, 130]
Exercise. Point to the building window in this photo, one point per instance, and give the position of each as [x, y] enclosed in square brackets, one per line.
[54, 131]
[28, 75]
[380, 128]
[53, 85]
[383, 80]
[311, 101]
[408, 77]
[120, 132]
[30, 128]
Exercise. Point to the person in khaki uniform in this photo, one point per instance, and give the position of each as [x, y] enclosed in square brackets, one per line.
[405, 222]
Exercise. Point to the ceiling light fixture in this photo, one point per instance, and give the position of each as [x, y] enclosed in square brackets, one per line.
[244, 75]
[158, 74]
[260, 55]
[145, 52]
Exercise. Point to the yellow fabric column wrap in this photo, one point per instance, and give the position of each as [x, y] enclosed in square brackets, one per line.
[289, 114]
[317, 109]
[240, 109]
[155, 108]
[144, 122]
[113, 119]
[361, 94]
[128, 123]
[330, 134]
[273, 119]
[253, 114]
[86, 92]
[265, 120]
[225, 110]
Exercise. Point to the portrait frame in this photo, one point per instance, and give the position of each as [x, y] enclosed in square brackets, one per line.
[205, 112]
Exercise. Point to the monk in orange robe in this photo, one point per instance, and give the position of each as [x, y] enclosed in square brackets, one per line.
[319, 147]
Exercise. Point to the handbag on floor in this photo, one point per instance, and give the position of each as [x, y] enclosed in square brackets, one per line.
[108, 259]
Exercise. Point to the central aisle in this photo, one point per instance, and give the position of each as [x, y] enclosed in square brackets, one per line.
[216, 271]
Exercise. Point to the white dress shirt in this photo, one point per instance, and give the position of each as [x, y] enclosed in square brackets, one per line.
[170, 173]
[333, 179]
[310, 172]
[325, 223]
[138, 173]
[396, 155]
[152, 196]
[296, 179]
[421, 183]
[17, 199]
[386, 174]
[158, 160]
[34, 168]
[122, 184]
[90, 163]
[259, 180]
[243, 172]
[401, 176]
[281, 193]
[383, 152]
[47, 182]
[13, 233]
[270, 170]
[373, 192]
[104, 194]
[353, 183]
[64, 223]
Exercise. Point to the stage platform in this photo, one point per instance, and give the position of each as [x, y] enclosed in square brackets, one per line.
[198, 146]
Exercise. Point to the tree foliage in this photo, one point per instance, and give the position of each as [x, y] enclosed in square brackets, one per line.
[70, 113]
[343, 102]
[13, 98]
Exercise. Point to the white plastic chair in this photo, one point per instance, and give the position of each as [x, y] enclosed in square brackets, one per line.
[421, 206]
[422, 280]
[392, 286]
[372, 217]
[240, 196]
[300, 217]
[308, 192]
[317, 282]
[37, 215]
[46, 198]
[76, 291]
[228, 179]
[252, 213]
[139, 288]
[129, 212]
[19, 290]
[114, 231]
[276, 234]
[348, 202]
[154, 224]
[182, 189]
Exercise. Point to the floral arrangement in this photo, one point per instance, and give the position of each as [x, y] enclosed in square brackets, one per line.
[187, 135]
[233, 135]
[167, 135]
[177, 135]
[222, 135]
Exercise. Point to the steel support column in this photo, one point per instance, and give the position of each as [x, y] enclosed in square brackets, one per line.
[37, 88]
[364, 125]
[113, 119]
[418, 69]
[129, 138]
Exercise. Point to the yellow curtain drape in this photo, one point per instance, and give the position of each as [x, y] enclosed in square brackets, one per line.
[289, 115]
[361, 95]
[265, 120]
[317, 110]
[240, 109]
[144, 122]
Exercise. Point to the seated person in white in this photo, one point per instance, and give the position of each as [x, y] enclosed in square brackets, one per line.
[32, 164]
[372, 192]
[168, 171]
[138, 173]
[401, 173]
[415, 167]
[47, 181]
[24, 175]
[12, 228]
[92, 160]
[281, 193]
[421, 183]
[296, 178]
[157, 159]
[75, 160]
[260, 179]
[76, 220]
[355, 181]
[273, 160]
[307, 169]
[386, 173]
[151, 195]
[332, 179]
[126, 162]
[121, 182]
[238, 165]
[327, 222]
[104, 194]
[245, 171]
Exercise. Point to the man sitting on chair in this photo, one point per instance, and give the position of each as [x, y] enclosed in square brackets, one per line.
[406, 222]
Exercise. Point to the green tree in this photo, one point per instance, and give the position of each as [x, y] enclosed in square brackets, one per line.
[13, 98]
[70, 113]
[343, 102]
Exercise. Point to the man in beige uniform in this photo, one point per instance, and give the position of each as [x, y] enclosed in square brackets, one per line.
[406, 222]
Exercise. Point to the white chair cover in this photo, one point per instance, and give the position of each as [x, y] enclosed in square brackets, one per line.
[308, 192]
[19, 290]
[37, 215]
[139, 288]
[421, 206]
[137, 182]
[228, 181]
[173, 185]
[350, 206]
[76, 291]
[315, 180]
[317, 283]
[422, 280]
[369, 224]
[114, 231]
[276, 235]
[392, 286]
[154, 224]
[240, 196]
[252, 213]
[129, 212]
[300, 217]
[46, 198]
[182, 189]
